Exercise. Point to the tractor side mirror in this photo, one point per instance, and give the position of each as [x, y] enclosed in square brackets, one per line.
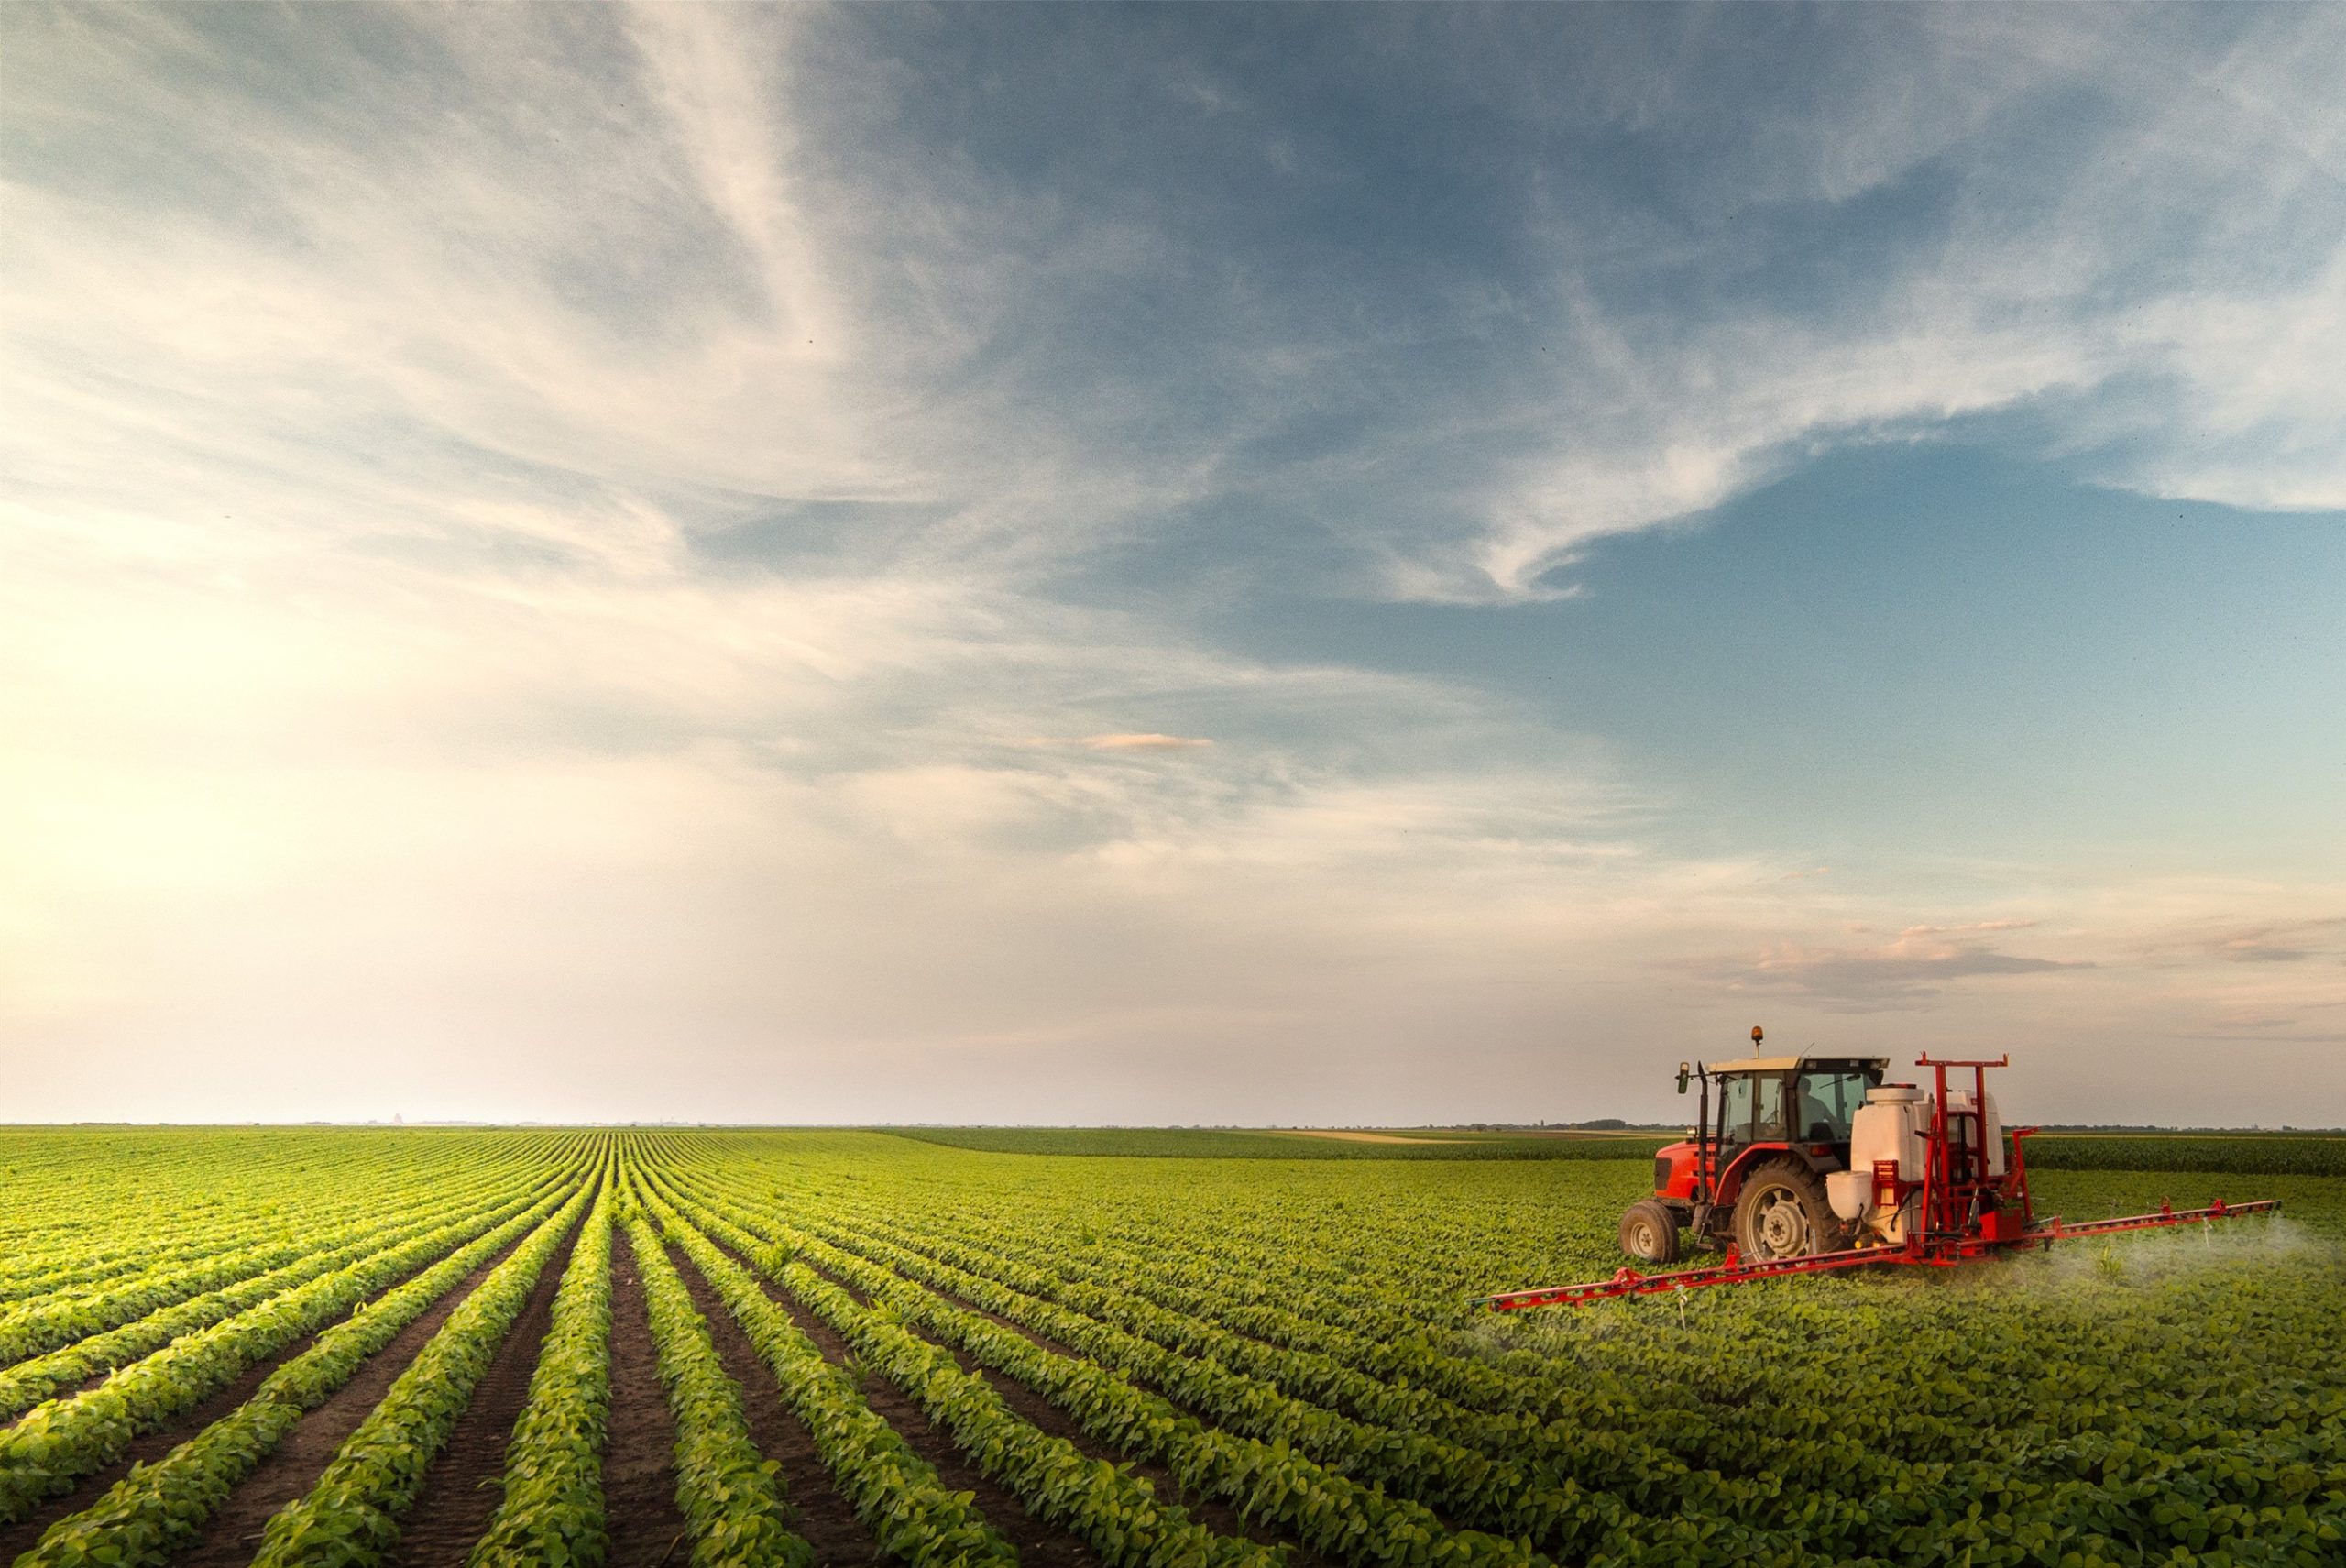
[1682, 1070]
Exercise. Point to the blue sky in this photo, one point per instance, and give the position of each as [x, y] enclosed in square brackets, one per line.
[1167, 565]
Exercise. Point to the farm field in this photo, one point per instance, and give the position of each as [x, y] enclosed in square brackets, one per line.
[427, 1346]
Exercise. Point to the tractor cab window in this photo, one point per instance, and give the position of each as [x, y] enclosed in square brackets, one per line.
[1827, 1105]
[1735, 1109]
[1751, 1108]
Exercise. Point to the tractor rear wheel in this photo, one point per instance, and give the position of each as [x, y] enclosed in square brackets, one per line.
[1781, 1213]
[1649, 1231]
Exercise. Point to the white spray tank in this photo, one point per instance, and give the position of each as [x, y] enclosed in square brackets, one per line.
[1892, 1126]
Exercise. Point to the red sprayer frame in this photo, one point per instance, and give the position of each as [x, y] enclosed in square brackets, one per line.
[1963, 1212]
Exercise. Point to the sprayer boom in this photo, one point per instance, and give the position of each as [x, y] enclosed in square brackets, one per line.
[1943, 1251]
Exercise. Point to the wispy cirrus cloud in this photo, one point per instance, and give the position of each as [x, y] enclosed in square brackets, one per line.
[1128, 741]
[1906, 972]
[2279, 942]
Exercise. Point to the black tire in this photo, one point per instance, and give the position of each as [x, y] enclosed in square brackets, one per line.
[1781, 1213]
[1650, 1232]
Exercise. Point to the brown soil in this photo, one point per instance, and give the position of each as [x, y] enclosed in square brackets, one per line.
[1038, 1540]
[19, 1537]
[293, 1467]
[461, 1487]
[819, 1510]
[640, 1451]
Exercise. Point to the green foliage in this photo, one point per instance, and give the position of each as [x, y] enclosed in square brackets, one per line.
[1293, 1339]
[57, 1443]
[86, 1205]
[914, 1517]
[730, 1497]
[351, 1516]
[161, 1508]
[1118, 1516]
[1287, 1337]
[551, 1514]
[31, 1381]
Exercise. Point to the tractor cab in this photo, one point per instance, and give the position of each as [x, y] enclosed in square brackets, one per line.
[1808, 1100]
[1752, 1168]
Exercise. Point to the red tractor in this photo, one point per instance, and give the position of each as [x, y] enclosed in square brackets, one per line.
[1754, 1166]
[1805, 1164]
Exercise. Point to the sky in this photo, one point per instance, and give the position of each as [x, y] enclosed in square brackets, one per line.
[1162, 565]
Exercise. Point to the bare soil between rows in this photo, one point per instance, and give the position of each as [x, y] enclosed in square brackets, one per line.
[646, 1526]
[461, 1489]
[819, 1510]
[1037, 1408]
[1039, 1540]
[293, 1467]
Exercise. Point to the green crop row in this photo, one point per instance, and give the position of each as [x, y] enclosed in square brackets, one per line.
[1533, 1454]
[28, 1383]
[57, 1443]
[912, 1516]
[1389, 1345]
[161, 1509]
[1496, 1493]
[551, 1513]
[730, 1497]
[108, 1215]
[351, 1517]
[1117, 1514]
[1334, 1515]
[61, 1316]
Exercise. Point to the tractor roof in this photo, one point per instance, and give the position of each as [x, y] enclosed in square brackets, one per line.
[1786, 1064]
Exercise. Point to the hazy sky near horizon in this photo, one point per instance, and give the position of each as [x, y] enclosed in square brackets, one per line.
[1166, 564]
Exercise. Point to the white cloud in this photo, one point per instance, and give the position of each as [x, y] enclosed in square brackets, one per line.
[2169, 293]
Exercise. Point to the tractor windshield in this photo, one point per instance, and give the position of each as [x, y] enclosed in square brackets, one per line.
[1828, 1103]
[1751, 1108]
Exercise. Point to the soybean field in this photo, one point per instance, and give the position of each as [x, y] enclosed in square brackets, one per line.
[437, 1346]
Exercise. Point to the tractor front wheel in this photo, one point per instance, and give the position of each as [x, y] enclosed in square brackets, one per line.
[1782, 1212]
[1649, 1231]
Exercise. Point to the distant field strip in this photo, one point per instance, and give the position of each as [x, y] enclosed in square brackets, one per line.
[1183, 1143]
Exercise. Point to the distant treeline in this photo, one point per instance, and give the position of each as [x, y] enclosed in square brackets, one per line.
[2247, 1154]
[2275, 1153]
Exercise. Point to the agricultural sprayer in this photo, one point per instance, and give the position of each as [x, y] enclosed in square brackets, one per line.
[1801, 1164]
